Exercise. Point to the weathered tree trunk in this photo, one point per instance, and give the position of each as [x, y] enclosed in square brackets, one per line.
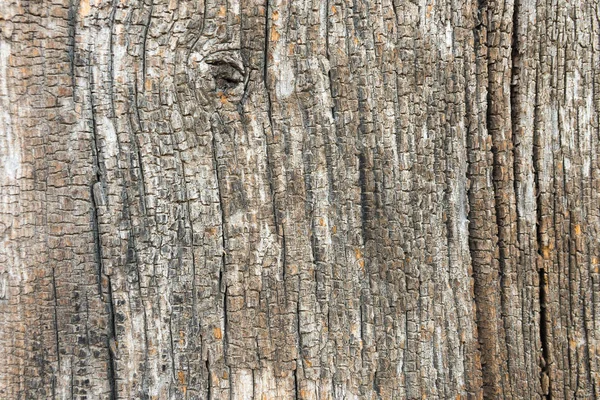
[321, 199]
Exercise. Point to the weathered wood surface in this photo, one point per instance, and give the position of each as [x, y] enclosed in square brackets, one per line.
[320, 199]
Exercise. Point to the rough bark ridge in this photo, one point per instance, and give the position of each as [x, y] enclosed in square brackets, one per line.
[320, 199]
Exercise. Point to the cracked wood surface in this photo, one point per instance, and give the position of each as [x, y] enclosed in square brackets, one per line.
[318, 199]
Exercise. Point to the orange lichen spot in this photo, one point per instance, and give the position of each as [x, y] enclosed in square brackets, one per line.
[577, 229]
[322, 221]
[303, 394]
[357, 253]
[181, 377]
[263, 397]
[84, 8]
[359, 257]
[307, 362]
[333, 10]
[222, 11]
[275, 15]
[334, 229]
[546, 252]
[274, 34]
[217, 333]
[355, 40]
[222, 97]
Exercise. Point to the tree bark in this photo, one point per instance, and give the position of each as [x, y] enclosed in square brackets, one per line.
[321, 199]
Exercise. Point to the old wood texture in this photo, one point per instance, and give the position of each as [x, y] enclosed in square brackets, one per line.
[316, 199]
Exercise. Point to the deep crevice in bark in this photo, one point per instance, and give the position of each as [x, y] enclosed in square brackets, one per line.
[97, 193]
[500, 239]
[56, 330]
[208, 379]
[483, 259]
[296, 388]
[136, 142]
[112, 346]
[222, 283]
[542, 273]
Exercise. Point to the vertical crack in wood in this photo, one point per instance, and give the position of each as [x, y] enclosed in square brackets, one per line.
[515, 106]
[500, 197]
[136, 143]
[542, 273]
[112, 356]
[482, 209]
[56, 330]
[296, 388]
[222, 272]
[208, 379]
[95, 188]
